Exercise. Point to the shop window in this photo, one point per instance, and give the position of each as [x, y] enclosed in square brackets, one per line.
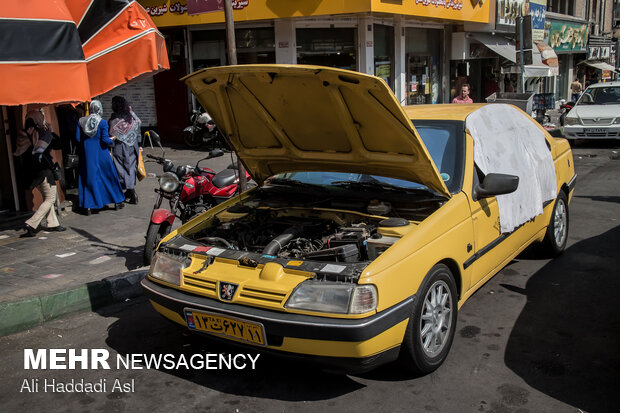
[334, 47]
[384, 53]
[253, 46]
[422, 64]
[561, 6]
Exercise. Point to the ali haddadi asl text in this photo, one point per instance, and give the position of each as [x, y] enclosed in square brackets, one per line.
[76, 386]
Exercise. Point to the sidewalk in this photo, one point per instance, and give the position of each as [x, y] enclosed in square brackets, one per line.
[97, 261]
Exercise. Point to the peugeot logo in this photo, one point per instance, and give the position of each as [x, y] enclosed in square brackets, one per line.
[227, 291]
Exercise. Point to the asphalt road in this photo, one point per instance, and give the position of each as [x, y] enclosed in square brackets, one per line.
[541, 336]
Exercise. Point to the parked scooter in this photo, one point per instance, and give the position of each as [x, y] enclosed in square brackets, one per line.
[190, 190]
[566, 107]
[203, 131]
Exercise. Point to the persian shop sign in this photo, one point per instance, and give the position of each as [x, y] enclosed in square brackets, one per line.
[568, 37]
[509, 10]
[538, 10]
[192, 7]
[465, 10]
[207, 6]
[176, 8]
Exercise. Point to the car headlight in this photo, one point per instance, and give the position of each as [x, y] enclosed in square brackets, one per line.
[168, 267]
[617, 121]
[572, 121]
[331, 297]
[169, 182]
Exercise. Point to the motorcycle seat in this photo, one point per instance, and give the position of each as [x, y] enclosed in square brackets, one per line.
[224, 178]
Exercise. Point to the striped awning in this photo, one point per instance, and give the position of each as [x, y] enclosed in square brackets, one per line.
[55, 51]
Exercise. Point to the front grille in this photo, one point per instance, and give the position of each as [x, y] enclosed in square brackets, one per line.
[206, 285]
[598, 121]
[262, 295]
[247, 295]
[597, 135]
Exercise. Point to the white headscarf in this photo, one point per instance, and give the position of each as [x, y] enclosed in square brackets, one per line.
[90, 123]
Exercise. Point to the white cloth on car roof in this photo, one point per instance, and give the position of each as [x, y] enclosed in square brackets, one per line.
[508, 141]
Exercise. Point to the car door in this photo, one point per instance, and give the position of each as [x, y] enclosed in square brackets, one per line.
[488, 249]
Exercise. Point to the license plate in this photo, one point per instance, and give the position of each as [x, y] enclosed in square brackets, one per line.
[229, 327]
[594, 130]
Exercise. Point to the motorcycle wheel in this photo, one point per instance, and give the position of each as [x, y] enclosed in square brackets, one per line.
[154, 234]
[563, 118]
[192, 140]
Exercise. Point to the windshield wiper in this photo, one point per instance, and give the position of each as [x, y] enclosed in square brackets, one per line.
[295, 183]
[374, 185]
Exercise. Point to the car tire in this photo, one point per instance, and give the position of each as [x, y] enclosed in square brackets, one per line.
[154, 234]
[432, 324]
[556, 236]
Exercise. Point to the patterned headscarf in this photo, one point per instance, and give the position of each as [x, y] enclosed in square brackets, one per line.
[90, 123]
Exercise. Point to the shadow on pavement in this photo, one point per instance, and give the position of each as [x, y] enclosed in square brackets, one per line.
[132, 260]
[141, 330]
[565, 342]
[594, 143]
[613, 199]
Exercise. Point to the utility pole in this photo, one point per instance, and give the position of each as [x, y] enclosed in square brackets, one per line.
[521, 50]
[232, 60]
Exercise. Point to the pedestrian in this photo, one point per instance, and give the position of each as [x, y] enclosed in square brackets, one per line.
[125, 126]
[576, 89]
[40, 169]
[98, 183]
[508, 88]
[463, 97]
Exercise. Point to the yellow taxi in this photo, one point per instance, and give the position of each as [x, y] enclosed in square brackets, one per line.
[371, 224]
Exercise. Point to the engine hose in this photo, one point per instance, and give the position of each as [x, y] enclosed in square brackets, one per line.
[281, 240]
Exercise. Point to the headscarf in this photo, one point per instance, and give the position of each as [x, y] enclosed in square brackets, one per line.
[124, 124]
[90, 123]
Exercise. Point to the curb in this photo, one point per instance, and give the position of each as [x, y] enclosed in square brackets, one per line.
[33, 311]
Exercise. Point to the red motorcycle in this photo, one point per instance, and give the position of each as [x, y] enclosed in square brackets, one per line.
[190, 190]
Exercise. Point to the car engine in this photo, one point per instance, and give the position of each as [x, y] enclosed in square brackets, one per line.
[297, 233]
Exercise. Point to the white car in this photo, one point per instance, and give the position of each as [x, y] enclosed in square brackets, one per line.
[596, 114]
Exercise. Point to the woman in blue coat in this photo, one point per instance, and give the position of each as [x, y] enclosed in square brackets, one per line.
[98, 183]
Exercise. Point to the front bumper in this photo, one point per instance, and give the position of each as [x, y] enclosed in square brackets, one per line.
[351, 345]
[592, 132]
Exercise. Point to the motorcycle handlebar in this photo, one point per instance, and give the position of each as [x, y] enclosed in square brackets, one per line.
[156, 158]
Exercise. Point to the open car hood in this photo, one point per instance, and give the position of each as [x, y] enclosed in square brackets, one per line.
[287, 118]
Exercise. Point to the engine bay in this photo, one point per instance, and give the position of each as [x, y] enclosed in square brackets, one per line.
[301, 233]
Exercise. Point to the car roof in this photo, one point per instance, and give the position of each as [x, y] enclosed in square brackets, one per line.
[605, 84]
[446, 111]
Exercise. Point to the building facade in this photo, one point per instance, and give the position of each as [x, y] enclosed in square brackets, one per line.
[407, 43]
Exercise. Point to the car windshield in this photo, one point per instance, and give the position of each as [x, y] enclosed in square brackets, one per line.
[600, 96]
[444, 140]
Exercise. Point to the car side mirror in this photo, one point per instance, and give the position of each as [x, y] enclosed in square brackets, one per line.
[495, 184]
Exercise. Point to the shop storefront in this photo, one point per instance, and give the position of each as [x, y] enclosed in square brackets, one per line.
[488, 61]
[600, 63]
[402, 42]
[569, 40]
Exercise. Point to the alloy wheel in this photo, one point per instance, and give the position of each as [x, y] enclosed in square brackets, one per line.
[436, 321]
[559, 222]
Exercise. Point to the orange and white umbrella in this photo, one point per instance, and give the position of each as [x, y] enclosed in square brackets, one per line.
[54, 51]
